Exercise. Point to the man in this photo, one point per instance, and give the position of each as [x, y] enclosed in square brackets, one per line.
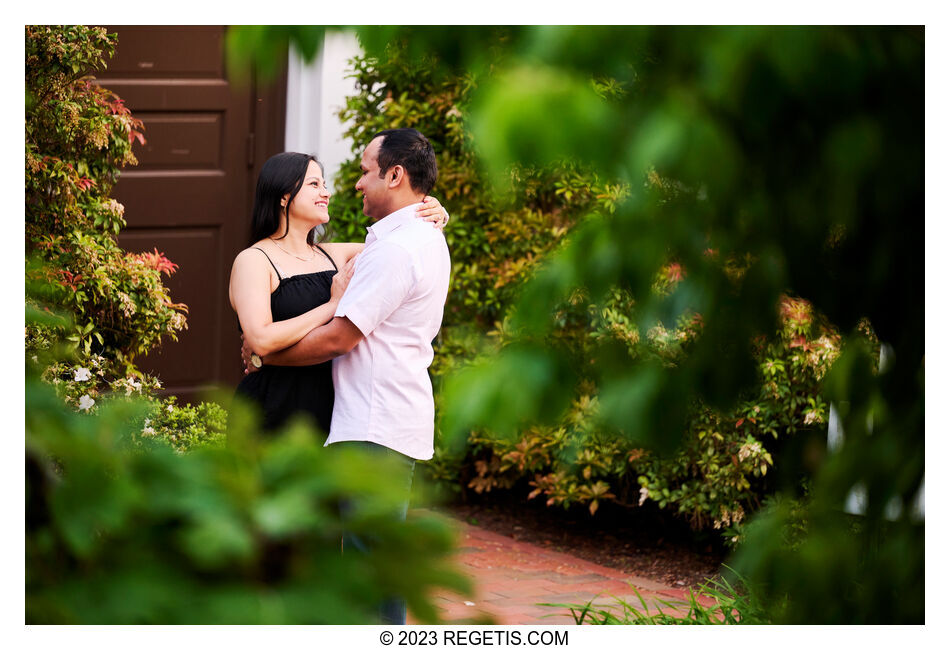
[381, 336]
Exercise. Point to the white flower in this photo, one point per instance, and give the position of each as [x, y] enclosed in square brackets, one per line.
[128, 306]
[131, 385]
[35, 360]
[147, 422]
[644, 495]
[749, 449]
[148, 431]
[81, 374]
[170, 408]
[738, 515]
[86, 403]
[115, 207]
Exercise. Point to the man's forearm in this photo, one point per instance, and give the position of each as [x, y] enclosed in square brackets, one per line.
[323, 343]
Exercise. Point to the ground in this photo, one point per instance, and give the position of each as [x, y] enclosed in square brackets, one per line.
[650, 545]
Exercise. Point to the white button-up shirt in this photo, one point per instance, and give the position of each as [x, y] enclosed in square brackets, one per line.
[382, 389]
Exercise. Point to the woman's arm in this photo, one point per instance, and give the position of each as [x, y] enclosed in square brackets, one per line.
[250, 290]
[343, 252]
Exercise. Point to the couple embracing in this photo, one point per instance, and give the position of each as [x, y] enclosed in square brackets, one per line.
[343, 331]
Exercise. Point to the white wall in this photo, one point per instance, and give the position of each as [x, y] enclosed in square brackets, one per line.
[315, 93]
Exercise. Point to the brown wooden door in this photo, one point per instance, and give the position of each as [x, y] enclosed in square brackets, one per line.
[190, 195]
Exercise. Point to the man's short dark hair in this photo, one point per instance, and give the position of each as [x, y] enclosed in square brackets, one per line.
[411, 149]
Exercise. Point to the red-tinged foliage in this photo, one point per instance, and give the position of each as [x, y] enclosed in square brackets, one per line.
[674, 272]
[78, 136]
[158, 261]
[69, 279]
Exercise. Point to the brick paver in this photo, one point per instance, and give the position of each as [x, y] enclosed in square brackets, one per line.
[513, 579]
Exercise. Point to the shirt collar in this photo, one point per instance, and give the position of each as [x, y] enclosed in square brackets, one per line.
[392, 221]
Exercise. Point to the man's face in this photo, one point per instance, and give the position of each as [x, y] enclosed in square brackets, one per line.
[373, 187]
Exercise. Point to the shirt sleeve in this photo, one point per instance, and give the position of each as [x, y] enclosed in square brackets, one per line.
[382, 280]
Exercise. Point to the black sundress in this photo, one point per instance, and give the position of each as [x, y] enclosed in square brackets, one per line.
[284, 391]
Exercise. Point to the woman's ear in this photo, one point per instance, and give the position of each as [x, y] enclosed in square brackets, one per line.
[283, 200]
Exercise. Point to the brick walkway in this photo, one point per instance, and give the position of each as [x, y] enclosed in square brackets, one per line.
[513, 578]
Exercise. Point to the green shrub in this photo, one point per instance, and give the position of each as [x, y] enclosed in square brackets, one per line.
[713, 480]
[186, 427]
[78, 136]
[104, 306]
[121, 529]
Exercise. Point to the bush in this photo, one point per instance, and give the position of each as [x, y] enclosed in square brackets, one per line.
[78, 136]
[714, 479]
[104, 307]
[88, 388]
[120, 529]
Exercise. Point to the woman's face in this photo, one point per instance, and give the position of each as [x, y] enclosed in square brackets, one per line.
[313, 199]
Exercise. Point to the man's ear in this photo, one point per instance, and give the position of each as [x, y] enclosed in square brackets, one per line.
[395, 175]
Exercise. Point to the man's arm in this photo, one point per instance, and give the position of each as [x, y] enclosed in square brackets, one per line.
[323, 343]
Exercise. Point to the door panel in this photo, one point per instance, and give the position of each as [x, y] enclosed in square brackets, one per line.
[168, 52]
[186, 362]
[181, 141]
[190, 195]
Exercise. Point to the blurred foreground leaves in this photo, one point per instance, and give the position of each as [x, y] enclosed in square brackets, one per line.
[124, 533]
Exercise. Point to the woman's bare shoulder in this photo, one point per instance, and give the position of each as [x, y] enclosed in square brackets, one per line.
[254, 255]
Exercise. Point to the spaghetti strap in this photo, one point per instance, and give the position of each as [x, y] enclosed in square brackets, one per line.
[277, 270]
[320, 248]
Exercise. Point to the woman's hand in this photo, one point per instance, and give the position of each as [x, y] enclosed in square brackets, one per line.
[431, 210]
[341, 280]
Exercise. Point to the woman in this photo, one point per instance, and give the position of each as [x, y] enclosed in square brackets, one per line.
[285, 284]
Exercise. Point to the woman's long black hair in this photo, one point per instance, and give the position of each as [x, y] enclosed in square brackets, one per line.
[281, 174]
